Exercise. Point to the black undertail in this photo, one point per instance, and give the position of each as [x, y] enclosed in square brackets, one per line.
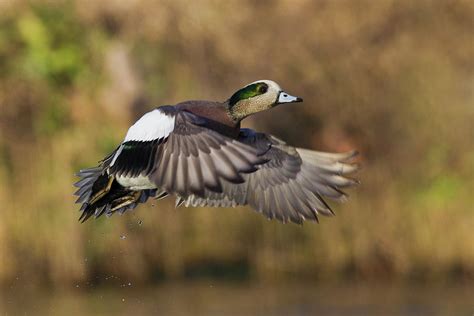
[101, 194]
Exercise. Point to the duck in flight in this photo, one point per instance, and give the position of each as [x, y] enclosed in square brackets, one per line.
[196, 151]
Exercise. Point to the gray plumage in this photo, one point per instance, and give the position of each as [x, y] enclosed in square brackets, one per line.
[290, 186]
[197, 151]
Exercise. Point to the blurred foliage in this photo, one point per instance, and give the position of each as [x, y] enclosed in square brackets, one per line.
[392, 78]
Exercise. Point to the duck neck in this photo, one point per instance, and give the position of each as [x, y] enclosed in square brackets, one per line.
[217, 114]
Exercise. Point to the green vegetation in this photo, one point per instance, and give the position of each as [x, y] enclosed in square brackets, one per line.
[392, 79]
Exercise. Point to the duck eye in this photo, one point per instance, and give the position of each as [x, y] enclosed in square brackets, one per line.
[262, 89]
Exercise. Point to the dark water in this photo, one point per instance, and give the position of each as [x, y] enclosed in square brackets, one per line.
[207, 298]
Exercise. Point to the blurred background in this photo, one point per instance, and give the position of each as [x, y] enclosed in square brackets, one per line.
[393, 79]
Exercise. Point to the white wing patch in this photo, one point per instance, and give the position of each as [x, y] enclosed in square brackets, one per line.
[153, 125]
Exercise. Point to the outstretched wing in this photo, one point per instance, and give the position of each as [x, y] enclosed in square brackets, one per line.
[174, 151]
[290, 186]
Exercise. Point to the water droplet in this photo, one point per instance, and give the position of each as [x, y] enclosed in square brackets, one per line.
[123, 237]
[129, 283]
[123, 300]
[77, 285]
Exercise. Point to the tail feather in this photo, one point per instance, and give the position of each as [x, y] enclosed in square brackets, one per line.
[89, 176]
[100, 195]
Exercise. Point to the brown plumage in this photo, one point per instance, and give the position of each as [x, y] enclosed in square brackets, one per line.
[197, 151]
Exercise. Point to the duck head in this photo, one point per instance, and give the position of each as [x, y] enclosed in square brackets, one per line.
[256, 97]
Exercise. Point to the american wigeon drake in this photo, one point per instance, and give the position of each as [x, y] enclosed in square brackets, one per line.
[197, 151]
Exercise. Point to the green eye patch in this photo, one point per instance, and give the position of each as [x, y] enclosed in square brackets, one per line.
[248, 92]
